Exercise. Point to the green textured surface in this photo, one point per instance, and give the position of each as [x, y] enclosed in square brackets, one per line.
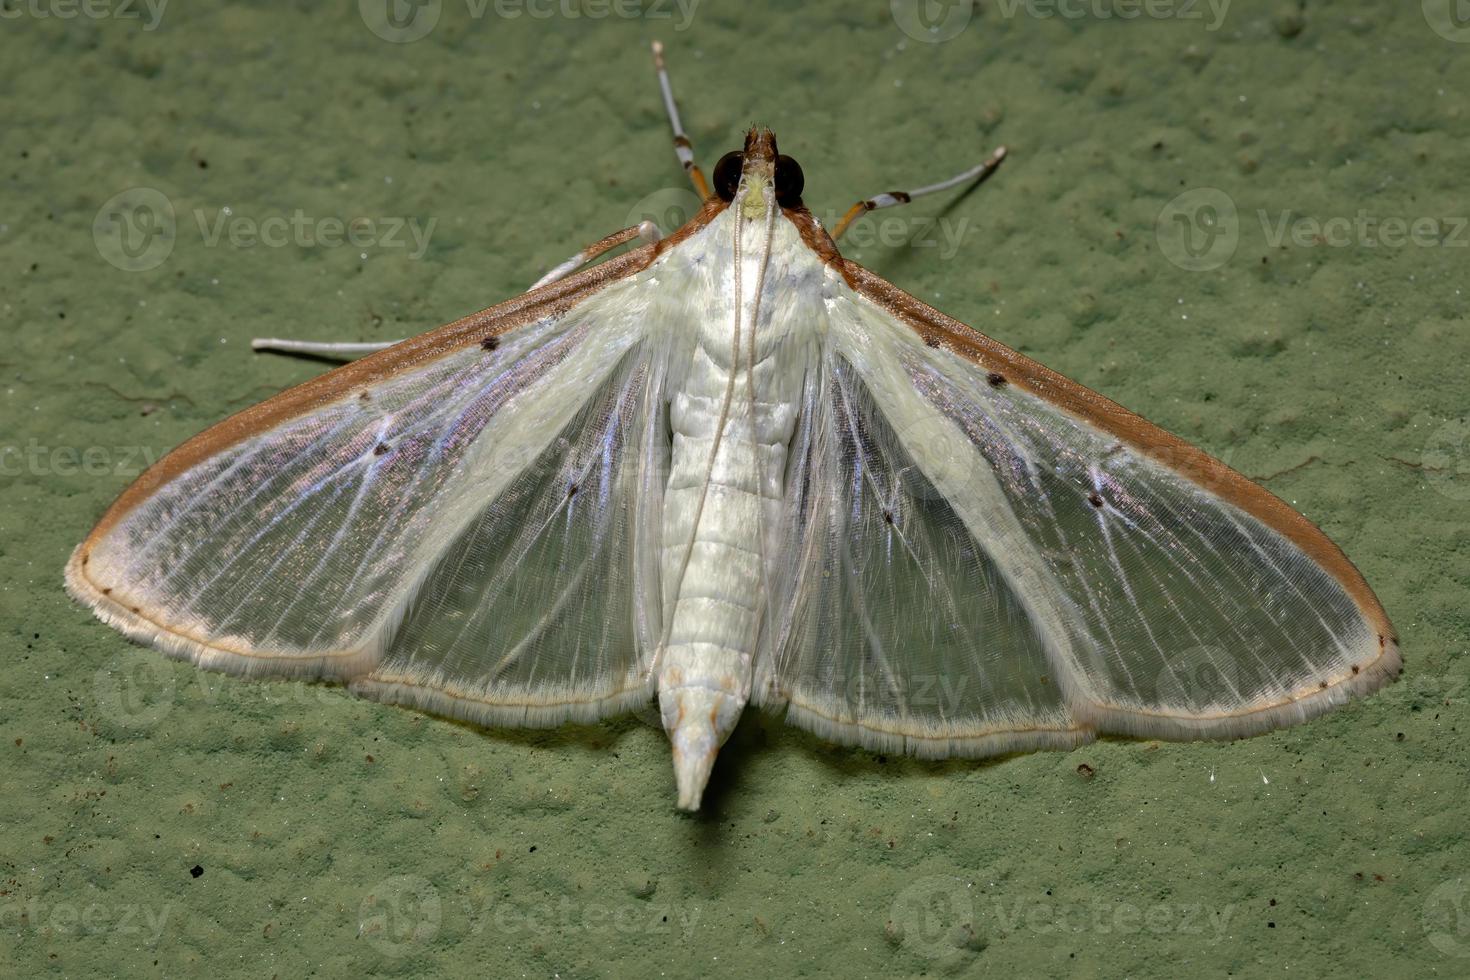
[338, 837]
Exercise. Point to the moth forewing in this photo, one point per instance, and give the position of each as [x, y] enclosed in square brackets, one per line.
[203, 555]
[1086, 507]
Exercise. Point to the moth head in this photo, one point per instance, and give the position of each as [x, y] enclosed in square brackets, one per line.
[758, 172]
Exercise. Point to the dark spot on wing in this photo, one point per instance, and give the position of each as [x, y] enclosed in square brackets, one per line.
[887, 517]
[364, 397]
[490, 343]
[1094, 500]
[996, 379]
[572, 490]
[931, 341]
[382, 449]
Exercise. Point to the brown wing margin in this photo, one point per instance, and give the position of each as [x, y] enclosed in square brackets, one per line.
[1006, 366]
[549, 300]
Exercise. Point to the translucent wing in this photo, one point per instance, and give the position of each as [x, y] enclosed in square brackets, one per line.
[993, 558]
[903, 633]
[449, 523]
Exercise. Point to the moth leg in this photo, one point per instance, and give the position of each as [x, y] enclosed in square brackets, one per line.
[646, 230]
[349, 351]
[343, 351]
[683, 149]
[976, 174]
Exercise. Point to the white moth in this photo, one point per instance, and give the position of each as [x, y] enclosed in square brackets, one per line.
[733, 467]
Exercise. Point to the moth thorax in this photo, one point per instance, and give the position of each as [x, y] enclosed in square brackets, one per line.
[757, 189]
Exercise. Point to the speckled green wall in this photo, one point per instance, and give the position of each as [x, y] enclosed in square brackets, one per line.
[1244, 220]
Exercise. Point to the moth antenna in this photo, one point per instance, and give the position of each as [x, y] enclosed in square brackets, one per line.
[683, 148]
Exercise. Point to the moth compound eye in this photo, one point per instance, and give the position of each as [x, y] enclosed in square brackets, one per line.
[727, 174]
[789, 182]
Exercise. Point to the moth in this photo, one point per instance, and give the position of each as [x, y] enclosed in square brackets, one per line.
[730, 467]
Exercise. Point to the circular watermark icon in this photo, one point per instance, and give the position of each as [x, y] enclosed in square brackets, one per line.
[400, 21]
[934, 438]
[932, 21]
[401, 913]
[1447, 918]
[1450, 19]
[933, 917]
[135, 691]
[135, 230]
[1199, 230]
[1446, 460]
[1198, 678]
[670, 209]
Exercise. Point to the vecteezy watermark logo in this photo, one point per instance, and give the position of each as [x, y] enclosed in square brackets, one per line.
[943, 915]
[150, 11]
[1212, 12]
[306, 231]
[38, 459]
[932, 21]
[400, 21]
[1447, 918]
[933, 917]
[566, 916]
[1450, 19]
[942, 443]
[889, 230]
[92, 919]
[1363, 230]
[928, 695]
[669, 208]
[135, 230]
[134, 691]
[1198, 678]
[590, 9]
[1199, 230]
[402, 913]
